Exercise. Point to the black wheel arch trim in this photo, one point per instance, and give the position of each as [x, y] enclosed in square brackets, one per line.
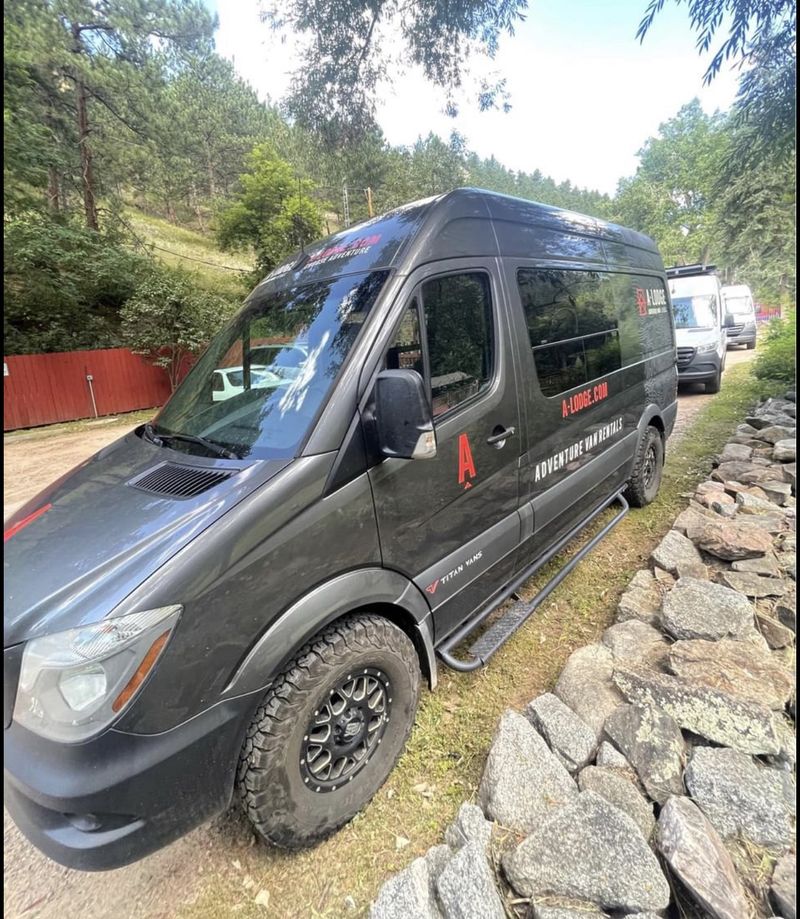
[379, 590]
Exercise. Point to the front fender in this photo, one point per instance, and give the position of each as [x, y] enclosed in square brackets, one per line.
[320, 606]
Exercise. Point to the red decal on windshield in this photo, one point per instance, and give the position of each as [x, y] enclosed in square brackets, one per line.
[466, 465]
[15, 528]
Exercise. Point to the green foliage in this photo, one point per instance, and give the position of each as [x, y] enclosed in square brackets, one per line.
[64, 285]
[272, 212]
[762, 40]
[352, 42]
[169, 318]
[776, 358]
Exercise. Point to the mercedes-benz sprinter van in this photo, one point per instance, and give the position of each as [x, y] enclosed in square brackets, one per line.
[242, 597]
[699, 327]
[740, 316]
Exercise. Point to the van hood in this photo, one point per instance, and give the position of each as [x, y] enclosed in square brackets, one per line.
[97, 536]
[693, 338]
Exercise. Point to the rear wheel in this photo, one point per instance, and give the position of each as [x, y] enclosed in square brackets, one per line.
[715, 383]
[329, 731]
[643, 485]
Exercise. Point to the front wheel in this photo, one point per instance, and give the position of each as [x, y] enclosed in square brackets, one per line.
[715, 383]
[329, 731]
[751, 346]
[643, 485]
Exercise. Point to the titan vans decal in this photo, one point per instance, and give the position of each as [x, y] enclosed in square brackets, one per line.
[575, 451]
[459, 569]
[466, 465]
[581, 400]
[359, 246]
[651, 301]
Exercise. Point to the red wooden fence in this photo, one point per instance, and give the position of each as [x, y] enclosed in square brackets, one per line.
[45, 388]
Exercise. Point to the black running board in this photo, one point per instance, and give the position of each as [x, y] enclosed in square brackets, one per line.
[499, 633]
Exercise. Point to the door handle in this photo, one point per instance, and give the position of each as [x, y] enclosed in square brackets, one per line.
[500, 434]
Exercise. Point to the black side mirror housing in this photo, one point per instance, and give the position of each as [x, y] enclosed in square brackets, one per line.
[403, 417]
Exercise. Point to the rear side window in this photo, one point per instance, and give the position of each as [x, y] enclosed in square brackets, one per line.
[572, 325]
[458, 323]
[645, 322]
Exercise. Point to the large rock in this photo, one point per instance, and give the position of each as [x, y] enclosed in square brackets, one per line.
[570, 910]
[739, 796]
[730, 539]
[635, 641]
[701, 609]
[469, 826]
[750, 504]
[641, 600]
[753, 585]
[735, 452]
[693, 518]
[587, 687]
[776, 634]
[738, 668]
[523, 781]
[785, 451]
[678, 555]
[693, 850]
[784, 886]
[717, 716]
[570, 738]
[779, 492]
[609, 755]
[653, 744]
[620, 791]
[766, 565]
[466, 886]
[592, 851]
[774, 433]
[411, 894]
[748, 473]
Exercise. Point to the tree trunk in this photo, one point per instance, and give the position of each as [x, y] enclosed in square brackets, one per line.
[212, 185]
[87, 171]
[53, 190]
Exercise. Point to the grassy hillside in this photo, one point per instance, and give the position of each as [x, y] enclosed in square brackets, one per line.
[180, 247]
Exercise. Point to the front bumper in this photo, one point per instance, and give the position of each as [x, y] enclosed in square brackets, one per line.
[696, 366]
[114, 799]
[744, 336]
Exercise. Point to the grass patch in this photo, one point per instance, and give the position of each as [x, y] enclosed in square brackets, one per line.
[83, 424]
[443, 762]
[180, 247]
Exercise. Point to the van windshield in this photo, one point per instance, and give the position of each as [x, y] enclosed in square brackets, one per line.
[694, 312]
[258, 386]
[739, 306]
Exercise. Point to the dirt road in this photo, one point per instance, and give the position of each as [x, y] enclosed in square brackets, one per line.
[168, 882]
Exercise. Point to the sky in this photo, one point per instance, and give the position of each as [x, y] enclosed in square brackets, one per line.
[585, 93]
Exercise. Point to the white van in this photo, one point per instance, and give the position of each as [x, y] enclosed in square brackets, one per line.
[696, 296]
[740, 315]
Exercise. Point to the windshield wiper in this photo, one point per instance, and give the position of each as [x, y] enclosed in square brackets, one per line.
[211, 445]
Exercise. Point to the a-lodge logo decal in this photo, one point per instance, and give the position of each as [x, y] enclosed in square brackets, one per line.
[581, 400]
[466, 465]
[576, 451]
[650, 301]
[455, 572]
[358, 246]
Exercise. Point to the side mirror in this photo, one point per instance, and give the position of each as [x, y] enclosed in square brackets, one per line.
[403, 416]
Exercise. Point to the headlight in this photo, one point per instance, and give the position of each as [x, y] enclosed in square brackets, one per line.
[708, 346]
[73, 684]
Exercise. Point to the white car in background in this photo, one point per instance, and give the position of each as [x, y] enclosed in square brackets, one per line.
[229, 381]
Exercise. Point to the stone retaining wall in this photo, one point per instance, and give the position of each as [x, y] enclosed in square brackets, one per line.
[658, 777]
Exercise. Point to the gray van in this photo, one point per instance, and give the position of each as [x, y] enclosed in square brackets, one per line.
[242, 597]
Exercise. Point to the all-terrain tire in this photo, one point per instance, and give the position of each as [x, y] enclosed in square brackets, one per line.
[645, 481]
[290, 805]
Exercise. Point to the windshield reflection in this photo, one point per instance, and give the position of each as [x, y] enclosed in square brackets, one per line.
[694, 312]
[258, 387]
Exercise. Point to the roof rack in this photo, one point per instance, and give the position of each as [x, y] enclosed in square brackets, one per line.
[683, 271]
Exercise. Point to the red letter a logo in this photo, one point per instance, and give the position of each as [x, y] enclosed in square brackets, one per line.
[466, 466]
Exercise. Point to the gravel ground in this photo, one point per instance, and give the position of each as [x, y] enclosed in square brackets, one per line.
[156, 886]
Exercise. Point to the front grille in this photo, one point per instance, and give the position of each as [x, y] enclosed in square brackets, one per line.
[685, 356]
[176, 481]
[735, 329]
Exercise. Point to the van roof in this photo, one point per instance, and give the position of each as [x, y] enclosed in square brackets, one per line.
[463, 223]
[737, 290]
